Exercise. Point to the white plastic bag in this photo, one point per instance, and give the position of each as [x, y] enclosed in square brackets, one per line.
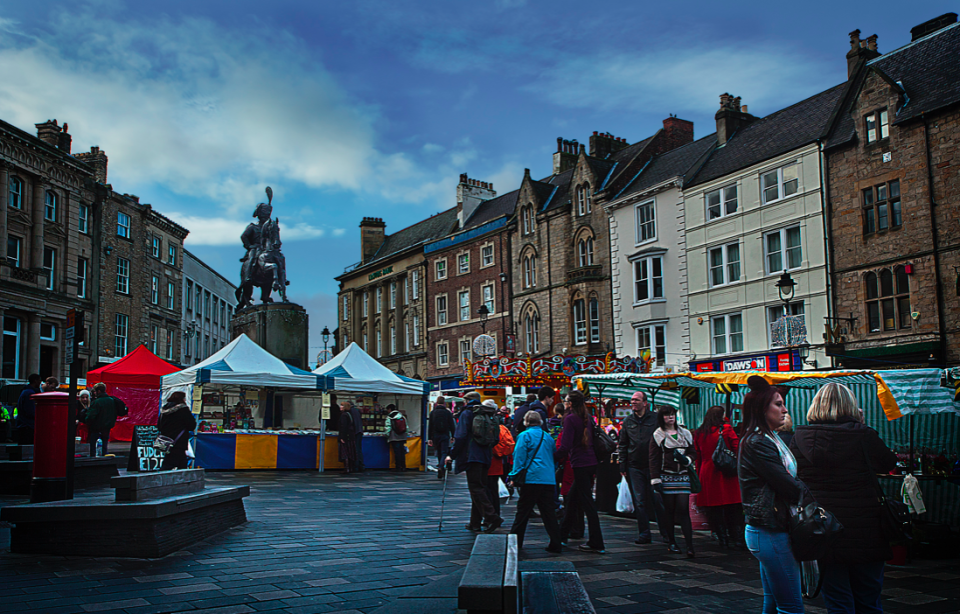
[504, 493]
[190, 453]
[624, 499]
[912, 495]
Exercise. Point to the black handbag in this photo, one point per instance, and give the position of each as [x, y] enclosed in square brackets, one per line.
[724, 459]
[520, 478]
[603, 444]
[811, 528]
[894, 514]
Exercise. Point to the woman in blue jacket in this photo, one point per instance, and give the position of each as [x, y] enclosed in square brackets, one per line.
[534, 452]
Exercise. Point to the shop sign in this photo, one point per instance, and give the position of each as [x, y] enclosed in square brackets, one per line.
[750, 363]
[380, 273]
[761, 362]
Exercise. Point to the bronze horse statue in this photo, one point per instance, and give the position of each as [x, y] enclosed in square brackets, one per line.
[264, 266]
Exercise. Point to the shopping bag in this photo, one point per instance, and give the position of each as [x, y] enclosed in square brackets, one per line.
[190, 453]
[504, 493]
[624, 499]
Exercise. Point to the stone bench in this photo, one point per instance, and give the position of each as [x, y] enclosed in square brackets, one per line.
[491, 580]
[16, 475]
[157, 485]
[555, 592]
[15, 452]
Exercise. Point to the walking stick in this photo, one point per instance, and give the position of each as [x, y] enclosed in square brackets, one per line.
[443, 499]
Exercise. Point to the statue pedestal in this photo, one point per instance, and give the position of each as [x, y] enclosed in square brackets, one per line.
[279, 328]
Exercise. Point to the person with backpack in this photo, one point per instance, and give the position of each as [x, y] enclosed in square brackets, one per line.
[521, 411]
[101, 417]
[478, 431]
[499, 459]
[397, 437]
[440, 431]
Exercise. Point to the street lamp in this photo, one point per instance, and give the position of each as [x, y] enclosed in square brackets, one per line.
[786, 287]
[483, 313]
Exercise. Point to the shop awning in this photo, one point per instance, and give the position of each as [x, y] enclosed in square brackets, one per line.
[353, 370]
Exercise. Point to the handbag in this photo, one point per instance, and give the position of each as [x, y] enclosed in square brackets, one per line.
[165, 444]
[724, 459]
[520, 478]
[691, 469]
[603, 444]
[811, 528]
[894, 514]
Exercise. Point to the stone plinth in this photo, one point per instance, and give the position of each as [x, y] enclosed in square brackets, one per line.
[279, 328]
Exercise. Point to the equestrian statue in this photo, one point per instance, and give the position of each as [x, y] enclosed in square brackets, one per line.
[263, 264]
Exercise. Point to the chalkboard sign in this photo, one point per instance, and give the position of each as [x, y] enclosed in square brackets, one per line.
[143, 456]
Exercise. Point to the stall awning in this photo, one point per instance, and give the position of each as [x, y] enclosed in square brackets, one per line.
[353, 370]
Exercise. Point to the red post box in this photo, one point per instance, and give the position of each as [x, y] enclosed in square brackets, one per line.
[50, 447]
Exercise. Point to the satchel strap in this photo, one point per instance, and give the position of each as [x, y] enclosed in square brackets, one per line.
[537, 449]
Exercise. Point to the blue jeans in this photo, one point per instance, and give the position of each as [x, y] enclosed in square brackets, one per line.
[779, 571]
[852, 588]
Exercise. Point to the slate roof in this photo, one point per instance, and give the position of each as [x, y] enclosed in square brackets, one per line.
[674, 163]
[491, 209]
[429, 229]
[773, 135]
[929, 70]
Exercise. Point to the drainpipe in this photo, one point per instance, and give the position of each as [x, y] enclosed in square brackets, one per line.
[828, 226]
[936, 243]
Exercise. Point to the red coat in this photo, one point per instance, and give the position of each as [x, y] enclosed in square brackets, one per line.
[718, 489]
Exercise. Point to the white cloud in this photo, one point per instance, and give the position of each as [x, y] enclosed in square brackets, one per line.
[224, 231]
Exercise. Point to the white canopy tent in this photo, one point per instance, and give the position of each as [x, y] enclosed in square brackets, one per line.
[353, 370]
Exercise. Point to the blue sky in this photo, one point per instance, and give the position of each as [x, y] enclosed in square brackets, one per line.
[374, 108]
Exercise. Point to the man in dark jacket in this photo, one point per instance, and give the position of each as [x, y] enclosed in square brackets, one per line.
[634, 453]
[101, 417]
[441, 430]
[358, 436]
[27, 411]
[176, 422]
[475, 459]
[520, 412]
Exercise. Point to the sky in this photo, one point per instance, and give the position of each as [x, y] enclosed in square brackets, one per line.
[375, 107]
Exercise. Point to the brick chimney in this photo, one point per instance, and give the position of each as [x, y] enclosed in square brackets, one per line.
[676, 132]
[604, 144]
[470, 193]
[98, 160]
[372, 234]
[929, 27]
[730, 118]
[65, 141]
[49, 132]
[565, 156]
[861, 50]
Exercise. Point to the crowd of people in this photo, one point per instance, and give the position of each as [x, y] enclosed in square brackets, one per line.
[550, 454]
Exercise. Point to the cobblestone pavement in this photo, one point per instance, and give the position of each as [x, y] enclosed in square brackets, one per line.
[337, 543]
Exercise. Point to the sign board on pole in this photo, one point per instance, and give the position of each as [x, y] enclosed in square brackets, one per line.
[197, 398]
[325, 407]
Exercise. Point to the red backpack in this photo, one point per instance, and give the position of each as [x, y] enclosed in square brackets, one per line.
[399, 425]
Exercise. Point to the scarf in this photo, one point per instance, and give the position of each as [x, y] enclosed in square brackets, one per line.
[786, 456]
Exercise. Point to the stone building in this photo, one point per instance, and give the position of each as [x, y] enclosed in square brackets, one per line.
[382, 302]
[468, 269]
[207, 308]
[48, 221]
[893, 203]
[140, 280]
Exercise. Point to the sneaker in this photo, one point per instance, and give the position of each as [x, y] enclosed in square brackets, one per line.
[643, 539]
[473, 528]
[589, 548]
[493, 526]
[673, 549]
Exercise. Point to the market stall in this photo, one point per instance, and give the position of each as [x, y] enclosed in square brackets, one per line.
[354, 375]
[135, 379]
[254, 410]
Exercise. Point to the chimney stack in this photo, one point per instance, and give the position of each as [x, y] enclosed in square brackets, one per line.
[860, 50]
[65, 141]
[470, 193]
[98, 160]
[676, 132]
[730, 118]
[565, 156]
[929, 27]
[49, 132]
[604, 144]
[372, 235]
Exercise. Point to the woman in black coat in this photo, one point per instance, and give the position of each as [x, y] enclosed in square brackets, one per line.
[176, 422]
[838, 458]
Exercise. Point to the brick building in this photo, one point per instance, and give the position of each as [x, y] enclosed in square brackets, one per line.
[894, 201]
[208, 302]
[466, 269]
[382, 302]
[47, 222]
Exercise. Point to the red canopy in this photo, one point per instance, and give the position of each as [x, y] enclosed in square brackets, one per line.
[140, 367]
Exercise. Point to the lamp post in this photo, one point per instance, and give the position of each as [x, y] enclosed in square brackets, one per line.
[483, 312]
[325, 335]
[786, 287]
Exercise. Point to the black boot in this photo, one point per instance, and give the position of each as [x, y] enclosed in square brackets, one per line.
[723, 537]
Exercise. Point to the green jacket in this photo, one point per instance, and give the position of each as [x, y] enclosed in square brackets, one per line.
[102, 414]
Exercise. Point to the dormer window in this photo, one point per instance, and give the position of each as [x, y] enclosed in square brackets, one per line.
[583, 200]
[876, 125]
[527, 220]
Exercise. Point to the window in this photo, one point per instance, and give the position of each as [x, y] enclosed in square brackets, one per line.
[881, 207]
[648, 279]
[171, 295]
[216, 309]
[364, 336]
[169, 345]
[123, 275]
[877, 126]
[463, 263]
[83, 223]
[441, 310]
[585, 252]
[888, 304]
[82, 277]
[443, 359]
[378, 300]
[464, 302]
[188, 294]
[393, 339]
[465, 351]
[120, 335]
[783, 250]
[223, 314]
[123, 225]
[379, 337]
[155, 291]
[16, 198]
[48, 331]
[406, 291]
[50, 206]
[416, 285]
[172, 255]
[197, 343]
[366, 304]
[579, 322]
[532, 329]
[779, 183]
[206, 305]
[583, 201]
[10, 367]
[416, 330]
[406, 337]
[594, 320]
[530, 271]
[206, 345]
[653, 338]
[721, 202]
[156, 247]
[646, 222]
[486, 255]
[393, 295]
[727, 333]
[725, 264]
[154, 333]
[441, 269]
[346, 308]
[198, 307]
[775, 313]
[50, 265]
[488, 298]
[14, 249]
[527, 221]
